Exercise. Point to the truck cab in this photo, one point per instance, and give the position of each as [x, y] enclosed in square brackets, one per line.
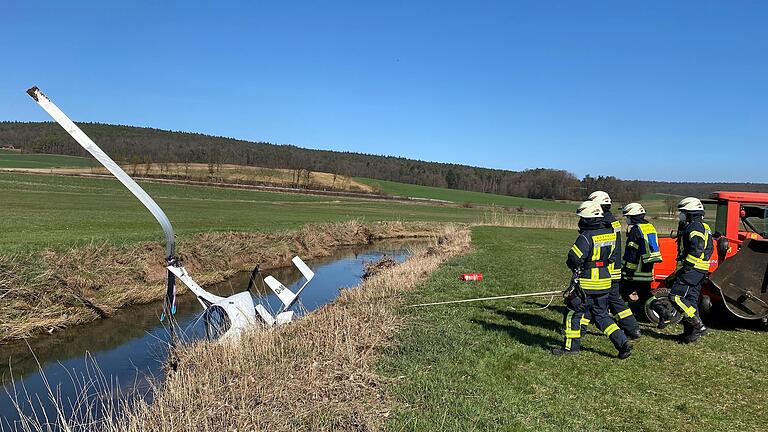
[741, 219]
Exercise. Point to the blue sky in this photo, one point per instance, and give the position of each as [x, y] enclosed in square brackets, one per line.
[652, 90]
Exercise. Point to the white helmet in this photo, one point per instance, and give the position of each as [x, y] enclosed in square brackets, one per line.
[690, 204]
[590, 209]
[600, 197]
[633, 209]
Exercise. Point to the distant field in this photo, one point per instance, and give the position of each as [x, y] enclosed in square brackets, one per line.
[460, 196]
[41, 211]
[235, 174]
[12, 159]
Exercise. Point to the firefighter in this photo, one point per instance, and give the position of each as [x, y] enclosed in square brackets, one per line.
[589, 258]
[640, 255]
[616, 304]
[694, 249]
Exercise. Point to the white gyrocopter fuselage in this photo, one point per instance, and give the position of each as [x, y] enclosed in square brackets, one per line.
[226, 317]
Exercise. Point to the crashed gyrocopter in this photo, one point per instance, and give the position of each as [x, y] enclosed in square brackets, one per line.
[225, 317]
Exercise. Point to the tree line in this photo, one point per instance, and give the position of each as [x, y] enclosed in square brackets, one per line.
[137, 145]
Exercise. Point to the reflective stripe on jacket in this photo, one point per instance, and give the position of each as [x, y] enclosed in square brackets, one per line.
[591, 252]
[695, 246]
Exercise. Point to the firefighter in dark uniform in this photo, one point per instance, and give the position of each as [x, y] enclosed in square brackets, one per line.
[640, 255]
[616, 305]
[589, 258]
[694, 249]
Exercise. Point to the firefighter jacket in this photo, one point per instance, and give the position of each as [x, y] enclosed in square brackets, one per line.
[642, 251]
[615, 265]
[591, 254]
[694, 249]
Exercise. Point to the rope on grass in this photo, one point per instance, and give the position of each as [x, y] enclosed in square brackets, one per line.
[538, 294]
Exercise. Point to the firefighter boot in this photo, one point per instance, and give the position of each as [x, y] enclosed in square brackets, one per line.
[625, 350]
[660, 309]
[698, 329]
[687, 330]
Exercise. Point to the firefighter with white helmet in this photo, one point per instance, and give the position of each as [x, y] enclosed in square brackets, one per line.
[589, 258]
[694, 249]
[640, 255]
[616, 304]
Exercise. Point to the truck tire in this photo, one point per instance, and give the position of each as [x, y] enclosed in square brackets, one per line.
[661, 294]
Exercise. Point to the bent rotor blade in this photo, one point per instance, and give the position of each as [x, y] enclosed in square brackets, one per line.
[109, 164]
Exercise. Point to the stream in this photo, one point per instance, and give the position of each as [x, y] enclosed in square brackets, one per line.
[128, 350]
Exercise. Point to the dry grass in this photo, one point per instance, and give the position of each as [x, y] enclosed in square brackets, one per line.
[226, 173]
[62, 288]
[505, 218]
[314, 374]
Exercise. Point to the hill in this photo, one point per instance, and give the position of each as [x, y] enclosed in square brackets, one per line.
[137, 145]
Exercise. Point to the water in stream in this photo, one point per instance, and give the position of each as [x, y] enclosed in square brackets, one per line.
[130, 347]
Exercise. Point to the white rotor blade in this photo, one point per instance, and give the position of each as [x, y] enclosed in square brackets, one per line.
[109, 164]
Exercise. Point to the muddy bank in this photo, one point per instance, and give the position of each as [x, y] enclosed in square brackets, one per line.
[315, 374]
[54, 289]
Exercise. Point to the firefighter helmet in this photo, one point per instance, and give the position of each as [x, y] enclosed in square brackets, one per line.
[590, 209]
[690, 204]
[633, 209]
[600, 197]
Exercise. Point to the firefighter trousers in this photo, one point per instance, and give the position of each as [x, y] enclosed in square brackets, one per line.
[596, 306]
[619, 309]
[685, 297]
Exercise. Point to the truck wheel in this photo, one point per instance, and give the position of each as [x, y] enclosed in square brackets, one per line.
[661, 294]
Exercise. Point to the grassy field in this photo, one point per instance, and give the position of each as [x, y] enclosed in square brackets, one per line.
[13, 159]
[460, 196]
[54, 211]
[487, 367]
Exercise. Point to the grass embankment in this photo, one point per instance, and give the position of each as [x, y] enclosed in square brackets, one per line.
[53, 289]
[314, 374]
[462, 196]
[487, 367]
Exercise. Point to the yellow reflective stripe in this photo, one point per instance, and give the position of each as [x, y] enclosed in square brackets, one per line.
[604, 238]
[647, 229]
[611, 328]
[698, 263]
[633, 245]
[584, 321]
[573, 334]
[568, 318]
[595, 284]
[630, 265]
[698, 234]
[595, 253]
[616, 226]
[689, 311]
[577, 251]
[625, 313]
